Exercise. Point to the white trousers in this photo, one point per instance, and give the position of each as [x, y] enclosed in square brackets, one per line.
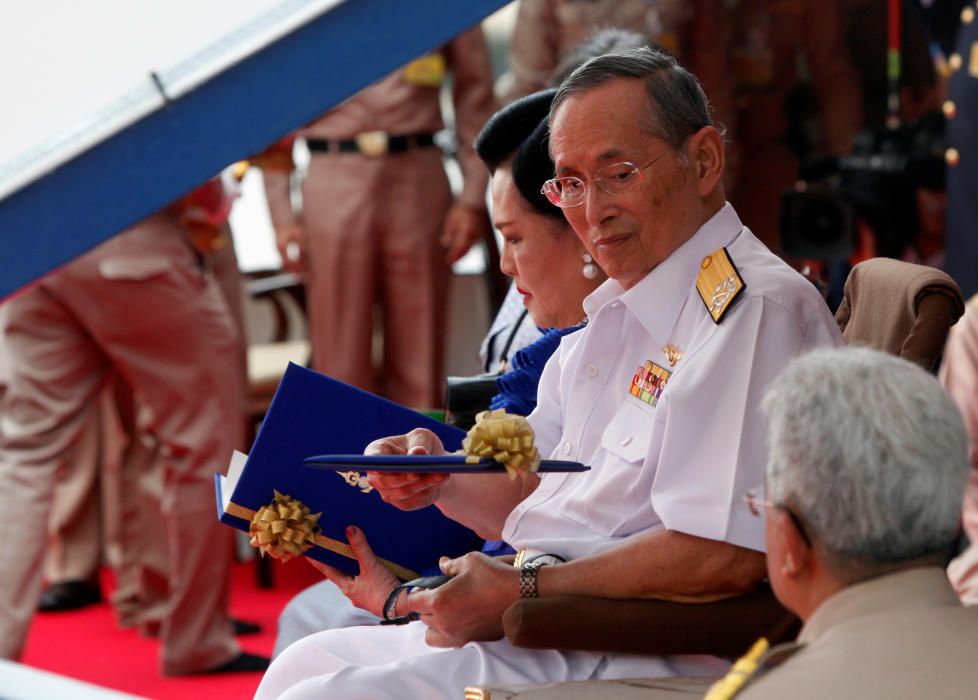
[394, 662]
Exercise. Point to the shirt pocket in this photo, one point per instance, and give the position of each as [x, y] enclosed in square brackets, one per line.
[615, 497]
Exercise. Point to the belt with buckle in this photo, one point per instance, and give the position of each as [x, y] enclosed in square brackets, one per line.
[372, 143]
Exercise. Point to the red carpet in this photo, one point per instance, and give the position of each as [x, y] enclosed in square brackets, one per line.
[89, 646]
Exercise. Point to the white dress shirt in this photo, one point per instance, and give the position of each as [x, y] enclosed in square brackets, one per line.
[685, 463]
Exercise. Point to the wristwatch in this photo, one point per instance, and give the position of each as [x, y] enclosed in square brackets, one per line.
[528, 579]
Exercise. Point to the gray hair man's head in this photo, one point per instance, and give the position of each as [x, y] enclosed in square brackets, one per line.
[871, 454]
[678, 106]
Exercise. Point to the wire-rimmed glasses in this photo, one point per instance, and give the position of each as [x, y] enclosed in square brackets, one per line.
[615, 179]
[755, 502]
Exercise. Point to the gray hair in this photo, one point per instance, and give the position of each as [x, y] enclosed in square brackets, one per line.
[869, 451]
[678, 106]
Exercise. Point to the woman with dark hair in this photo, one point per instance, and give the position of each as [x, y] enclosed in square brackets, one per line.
[553, 272]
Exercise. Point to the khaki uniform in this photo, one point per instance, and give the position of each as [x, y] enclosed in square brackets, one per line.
[959, 373]
[373, 223]
[697, 32]
[763, 63]
[904, 635]
[115, 471]
[140, 305]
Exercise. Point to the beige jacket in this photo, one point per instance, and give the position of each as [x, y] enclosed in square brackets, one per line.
[905, 635]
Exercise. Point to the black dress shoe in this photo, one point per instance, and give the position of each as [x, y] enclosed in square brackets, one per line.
[69, 595]
[243, 663]
[243, 627]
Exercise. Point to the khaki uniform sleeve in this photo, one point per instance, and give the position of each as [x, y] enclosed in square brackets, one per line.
[276, 166]
[468, 58]
[710, 38]
[533, 50]
[832, 74]
[710, 33]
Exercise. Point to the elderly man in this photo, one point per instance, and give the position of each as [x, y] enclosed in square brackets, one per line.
[658, 394]
[868, 463]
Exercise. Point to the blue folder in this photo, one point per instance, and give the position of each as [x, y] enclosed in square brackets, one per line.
[313, 414]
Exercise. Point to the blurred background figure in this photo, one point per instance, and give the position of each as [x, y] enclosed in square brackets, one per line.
[959, 374]
[115, 474]
[142, 306]
[379, 226]
[789, 64]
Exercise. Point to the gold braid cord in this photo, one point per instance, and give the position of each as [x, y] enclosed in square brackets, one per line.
[284, 528]
[506, 438]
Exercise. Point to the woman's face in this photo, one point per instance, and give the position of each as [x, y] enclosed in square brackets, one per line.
[542, 255]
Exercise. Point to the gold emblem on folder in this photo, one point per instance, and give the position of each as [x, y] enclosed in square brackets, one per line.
[357, 480]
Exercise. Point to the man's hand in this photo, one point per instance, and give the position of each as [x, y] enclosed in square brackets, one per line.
[291, 243]
[368, 590]
[405, 490]
[470, 607]
[463, 227]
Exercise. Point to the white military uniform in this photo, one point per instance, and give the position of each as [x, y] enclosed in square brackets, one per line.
[683, 463]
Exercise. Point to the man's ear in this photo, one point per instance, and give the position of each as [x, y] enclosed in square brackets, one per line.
[797, 552]
[705, 152]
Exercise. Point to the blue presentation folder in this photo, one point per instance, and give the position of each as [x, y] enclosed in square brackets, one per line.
[313, 414]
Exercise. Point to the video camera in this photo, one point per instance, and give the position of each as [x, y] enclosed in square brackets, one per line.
[877, 184]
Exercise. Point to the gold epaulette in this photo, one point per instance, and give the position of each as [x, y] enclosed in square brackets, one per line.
[719, 283]
[974, 302]
[728, 686]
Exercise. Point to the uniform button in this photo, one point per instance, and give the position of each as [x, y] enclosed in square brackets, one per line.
[592, 370]
[625, 441]
[567, 448]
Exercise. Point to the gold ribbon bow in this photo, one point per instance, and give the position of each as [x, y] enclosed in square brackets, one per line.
[284, 528]
[505, 437]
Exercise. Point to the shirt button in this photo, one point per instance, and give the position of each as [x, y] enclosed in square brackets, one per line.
[592, 370]
[625, 441]
[567, 448]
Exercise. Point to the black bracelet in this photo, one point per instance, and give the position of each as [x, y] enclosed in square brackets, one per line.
[390, 605]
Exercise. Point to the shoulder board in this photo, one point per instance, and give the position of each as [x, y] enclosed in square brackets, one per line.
[719, 283]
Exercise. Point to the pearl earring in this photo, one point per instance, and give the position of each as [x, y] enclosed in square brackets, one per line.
[590, 270]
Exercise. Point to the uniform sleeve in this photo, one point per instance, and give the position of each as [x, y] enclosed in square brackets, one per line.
[547, 418]
[468, 56]
[714, 448]
[276, 166]
[832, 75]
[533, 49]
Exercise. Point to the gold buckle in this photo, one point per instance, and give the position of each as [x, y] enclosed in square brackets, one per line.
[372, 143]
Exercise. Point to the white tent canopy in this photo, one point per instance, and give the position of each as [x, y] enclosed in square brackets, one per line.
[116, 108]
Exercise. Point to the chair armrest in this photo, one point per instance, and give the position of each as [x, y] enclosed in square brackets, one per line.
[723, 628]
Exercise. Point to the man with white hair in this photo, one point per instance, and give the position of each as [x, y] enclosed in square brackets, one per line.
[868, 460]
